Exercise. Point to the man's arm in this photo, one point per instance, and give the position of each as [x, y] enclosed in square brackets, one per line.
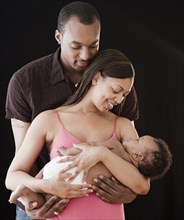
[19, 129]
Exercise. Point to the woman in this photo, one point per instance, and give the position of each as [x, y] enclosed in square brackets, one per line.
[85, 117]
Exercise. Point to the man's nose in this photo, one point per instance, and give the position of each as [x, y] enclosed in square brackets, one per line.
[84, 54]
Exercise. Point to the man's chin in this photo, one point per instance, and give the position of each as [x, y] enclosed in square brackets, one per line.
[80, 69]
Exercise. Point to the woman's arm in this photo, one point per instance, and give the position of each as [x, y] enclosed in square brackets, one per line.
[18, 172]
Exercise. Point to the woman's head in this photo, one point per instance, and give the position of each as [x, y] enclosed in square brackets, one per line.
[110, 71]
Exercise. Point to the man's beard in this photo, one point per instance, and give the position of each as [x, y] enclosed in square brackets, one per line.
[79, 69]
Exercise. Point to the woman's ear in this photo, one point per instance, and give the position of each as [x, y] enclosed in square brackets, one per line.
[137, 156]
[58, 36]
[96, 78]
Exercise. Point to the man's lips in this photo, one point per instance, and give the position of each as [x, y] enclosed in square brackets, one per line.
[82, 63]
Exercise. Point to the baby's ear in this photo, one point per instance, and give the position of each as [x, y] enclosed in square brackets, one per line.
[137, 156]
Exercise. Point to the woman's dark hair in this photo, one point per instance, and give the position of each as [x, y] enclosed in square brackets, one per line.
[111, 63]
[86, 13]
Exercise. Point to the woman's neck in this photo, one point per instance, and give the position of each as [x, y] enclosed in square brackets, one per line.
[84, 106]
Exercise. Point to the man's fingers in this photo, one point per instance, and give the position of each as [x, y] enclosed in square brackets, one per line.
[104, 184]
[105, 196]
[48, 204]
[112, 183]
[60, 206]
[44, 212]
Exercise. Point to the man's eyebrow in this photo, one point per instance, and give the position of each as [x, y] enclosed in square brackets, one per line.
[76, 42]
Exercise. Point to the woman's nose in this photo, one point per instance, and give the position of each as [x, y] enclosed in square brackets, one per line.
[119, 98]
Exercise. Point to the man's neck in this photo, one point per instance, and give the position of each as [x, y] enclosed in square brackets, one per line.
[74, 77]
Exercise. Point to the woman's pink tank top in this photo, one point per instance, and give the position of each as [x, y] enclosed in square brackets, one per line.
[90, 207]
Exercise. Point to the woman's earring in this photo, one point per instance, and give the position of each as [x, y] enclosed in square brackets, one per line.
[94, 82]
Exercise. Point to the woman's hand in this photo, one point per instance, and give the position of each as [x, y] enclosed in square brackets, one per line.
[67, 151]
[85, 160]
[58, 186]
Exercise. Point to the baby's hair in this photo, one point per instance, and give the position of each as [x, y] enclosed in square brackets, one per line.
[156, 163]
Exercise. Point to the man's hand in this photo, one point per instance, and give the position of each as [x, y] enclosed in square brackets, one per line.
[112, 191]
[48, 210]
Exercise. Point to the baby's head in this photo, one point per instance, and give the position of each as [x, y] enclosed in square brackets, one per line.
[151, 156]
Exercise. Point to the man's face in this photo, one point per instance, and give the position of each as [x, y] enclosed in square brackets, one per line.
[79, 44]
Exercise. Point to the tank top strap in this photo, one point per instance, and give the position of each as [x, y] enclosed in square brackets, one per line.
[58, 116]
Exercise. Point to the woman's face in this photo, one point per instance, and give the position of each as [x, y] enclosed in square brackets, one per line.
[109, 91]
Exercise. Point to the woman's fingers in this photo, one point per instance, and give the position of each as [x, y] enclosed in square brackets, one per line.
[62, 151]
[85, 175]
[81, 191]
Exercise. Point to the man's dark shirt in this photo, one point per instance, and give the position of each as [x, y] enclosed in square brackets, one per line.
[41, 85]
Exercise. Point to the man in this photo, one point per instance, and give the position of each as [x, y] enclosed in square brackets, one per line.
[48, 82]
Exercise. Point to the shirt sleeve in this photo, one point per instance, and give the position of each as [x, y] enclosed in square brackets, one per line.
[17, 105]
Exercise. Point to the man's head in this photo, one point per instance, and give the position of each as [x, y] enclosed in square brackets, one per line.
[78, 33]
[151, 156]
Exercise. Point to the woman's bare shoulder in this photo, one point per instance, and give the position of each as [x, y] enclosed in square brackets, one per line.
[45, 116]
[126, 128]
[125, 121]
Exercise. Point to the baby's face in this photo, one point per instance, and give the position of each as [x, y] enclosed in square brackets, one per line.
[139, 145]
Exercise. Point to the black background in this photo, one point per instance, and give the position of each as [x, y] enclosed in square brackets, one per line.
[151, 34]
